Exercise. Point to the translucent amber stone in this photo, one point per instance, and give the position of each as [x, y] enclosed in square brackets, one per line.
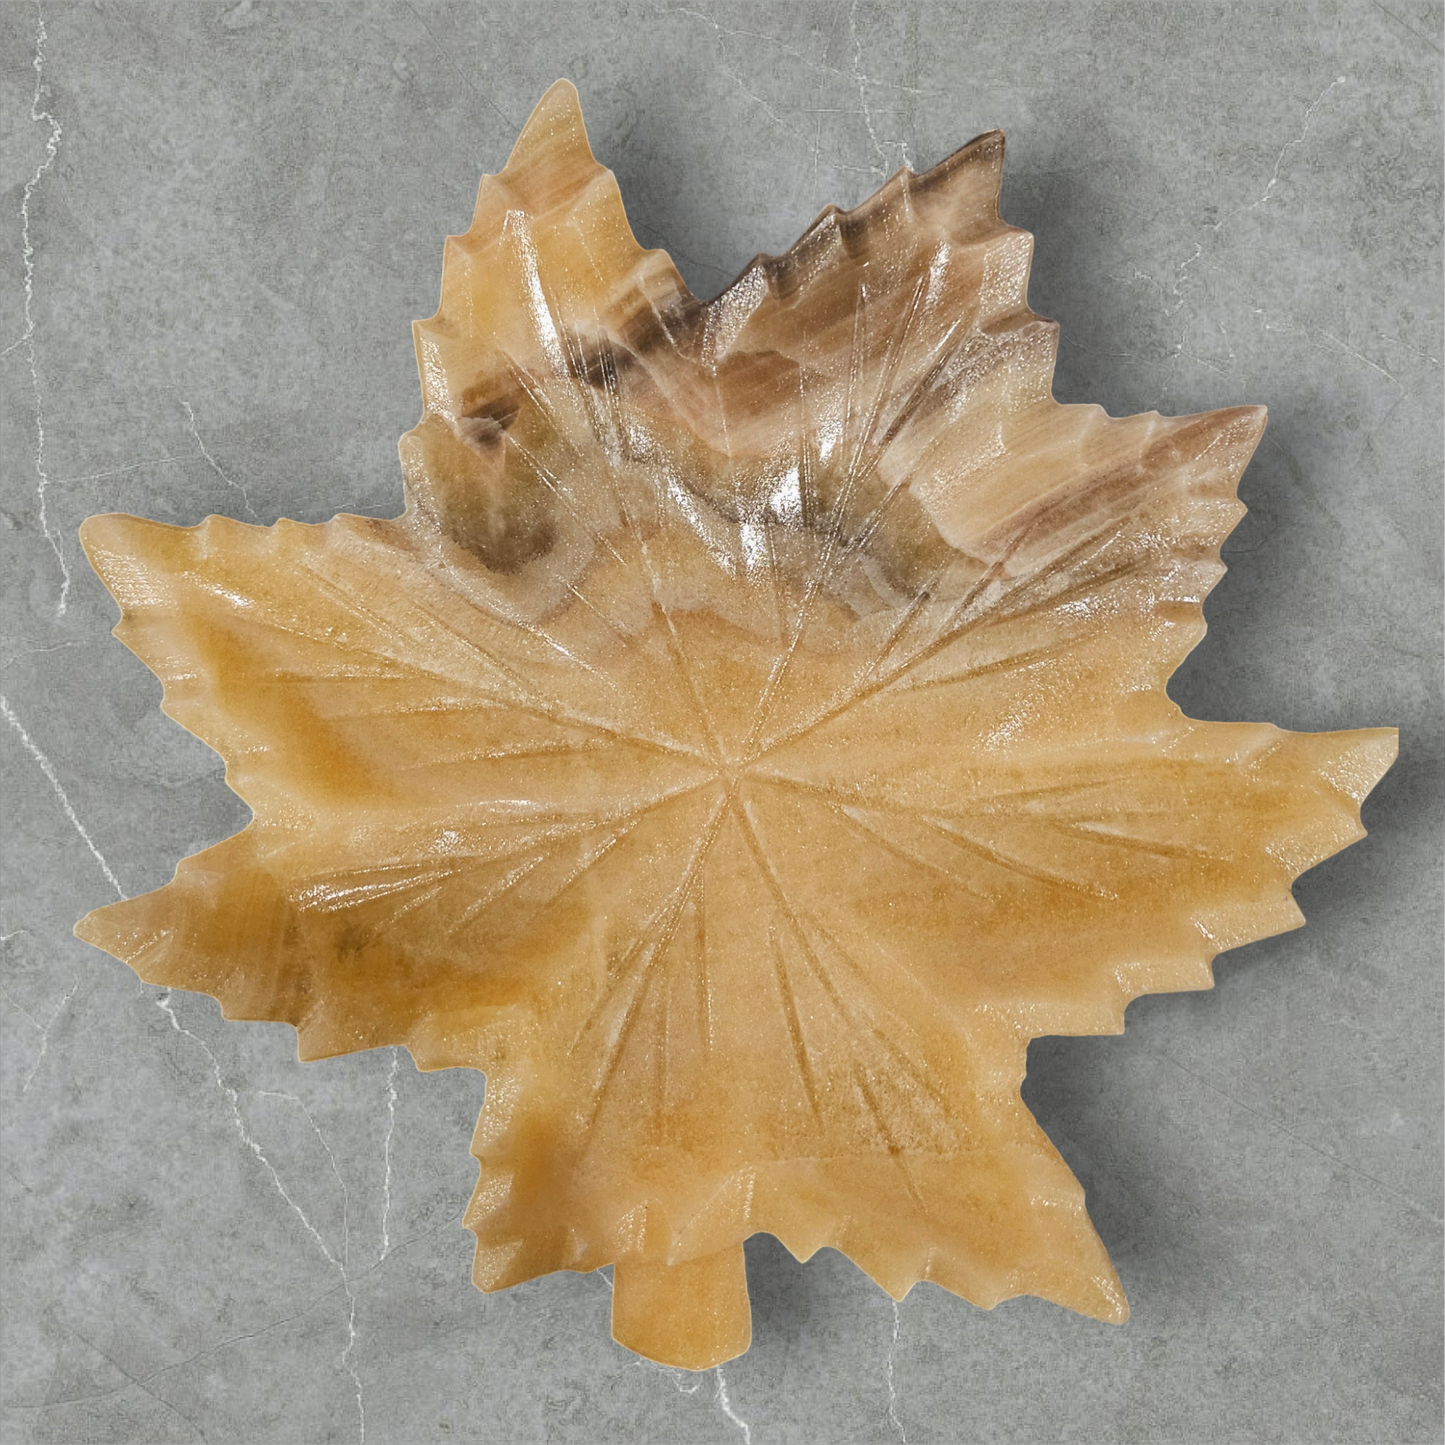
[753, 732]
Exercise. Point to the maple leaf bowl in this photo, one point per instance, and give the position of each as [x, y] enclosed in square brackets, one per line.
[753, 732]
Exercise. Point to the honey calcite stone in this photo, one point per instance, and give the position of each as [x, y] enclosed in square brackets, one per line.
[752, 734]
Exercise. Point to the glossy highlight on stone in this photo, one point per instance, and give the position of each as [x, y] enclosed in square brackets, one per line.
[752, 734]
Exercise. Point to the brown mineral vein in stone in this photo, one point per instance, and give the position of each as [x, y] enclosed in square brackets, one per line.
[753, 732]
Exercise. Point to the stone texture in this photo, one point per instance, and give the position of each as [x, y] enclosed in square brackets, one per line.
[212, 279]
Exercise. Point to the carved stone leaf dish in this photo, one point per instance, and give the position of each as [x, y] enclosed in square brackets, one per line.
[750, 736]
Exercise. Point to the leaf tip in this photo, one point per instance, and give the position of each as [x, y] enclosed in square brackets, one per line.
[554, 134]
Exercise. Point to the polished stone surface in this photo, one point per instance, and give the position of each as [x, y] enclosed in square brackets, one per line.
[213, 271]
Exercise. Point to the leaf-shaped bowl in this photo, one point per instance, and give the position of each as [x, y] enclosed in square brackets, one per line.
[752, 734]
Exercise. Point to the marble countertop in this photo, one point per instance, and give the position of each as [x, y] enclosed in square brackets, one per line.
[221, 220]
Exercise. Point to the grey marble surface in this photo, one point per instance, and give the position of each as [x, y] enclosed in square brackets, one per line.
[218, 223]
